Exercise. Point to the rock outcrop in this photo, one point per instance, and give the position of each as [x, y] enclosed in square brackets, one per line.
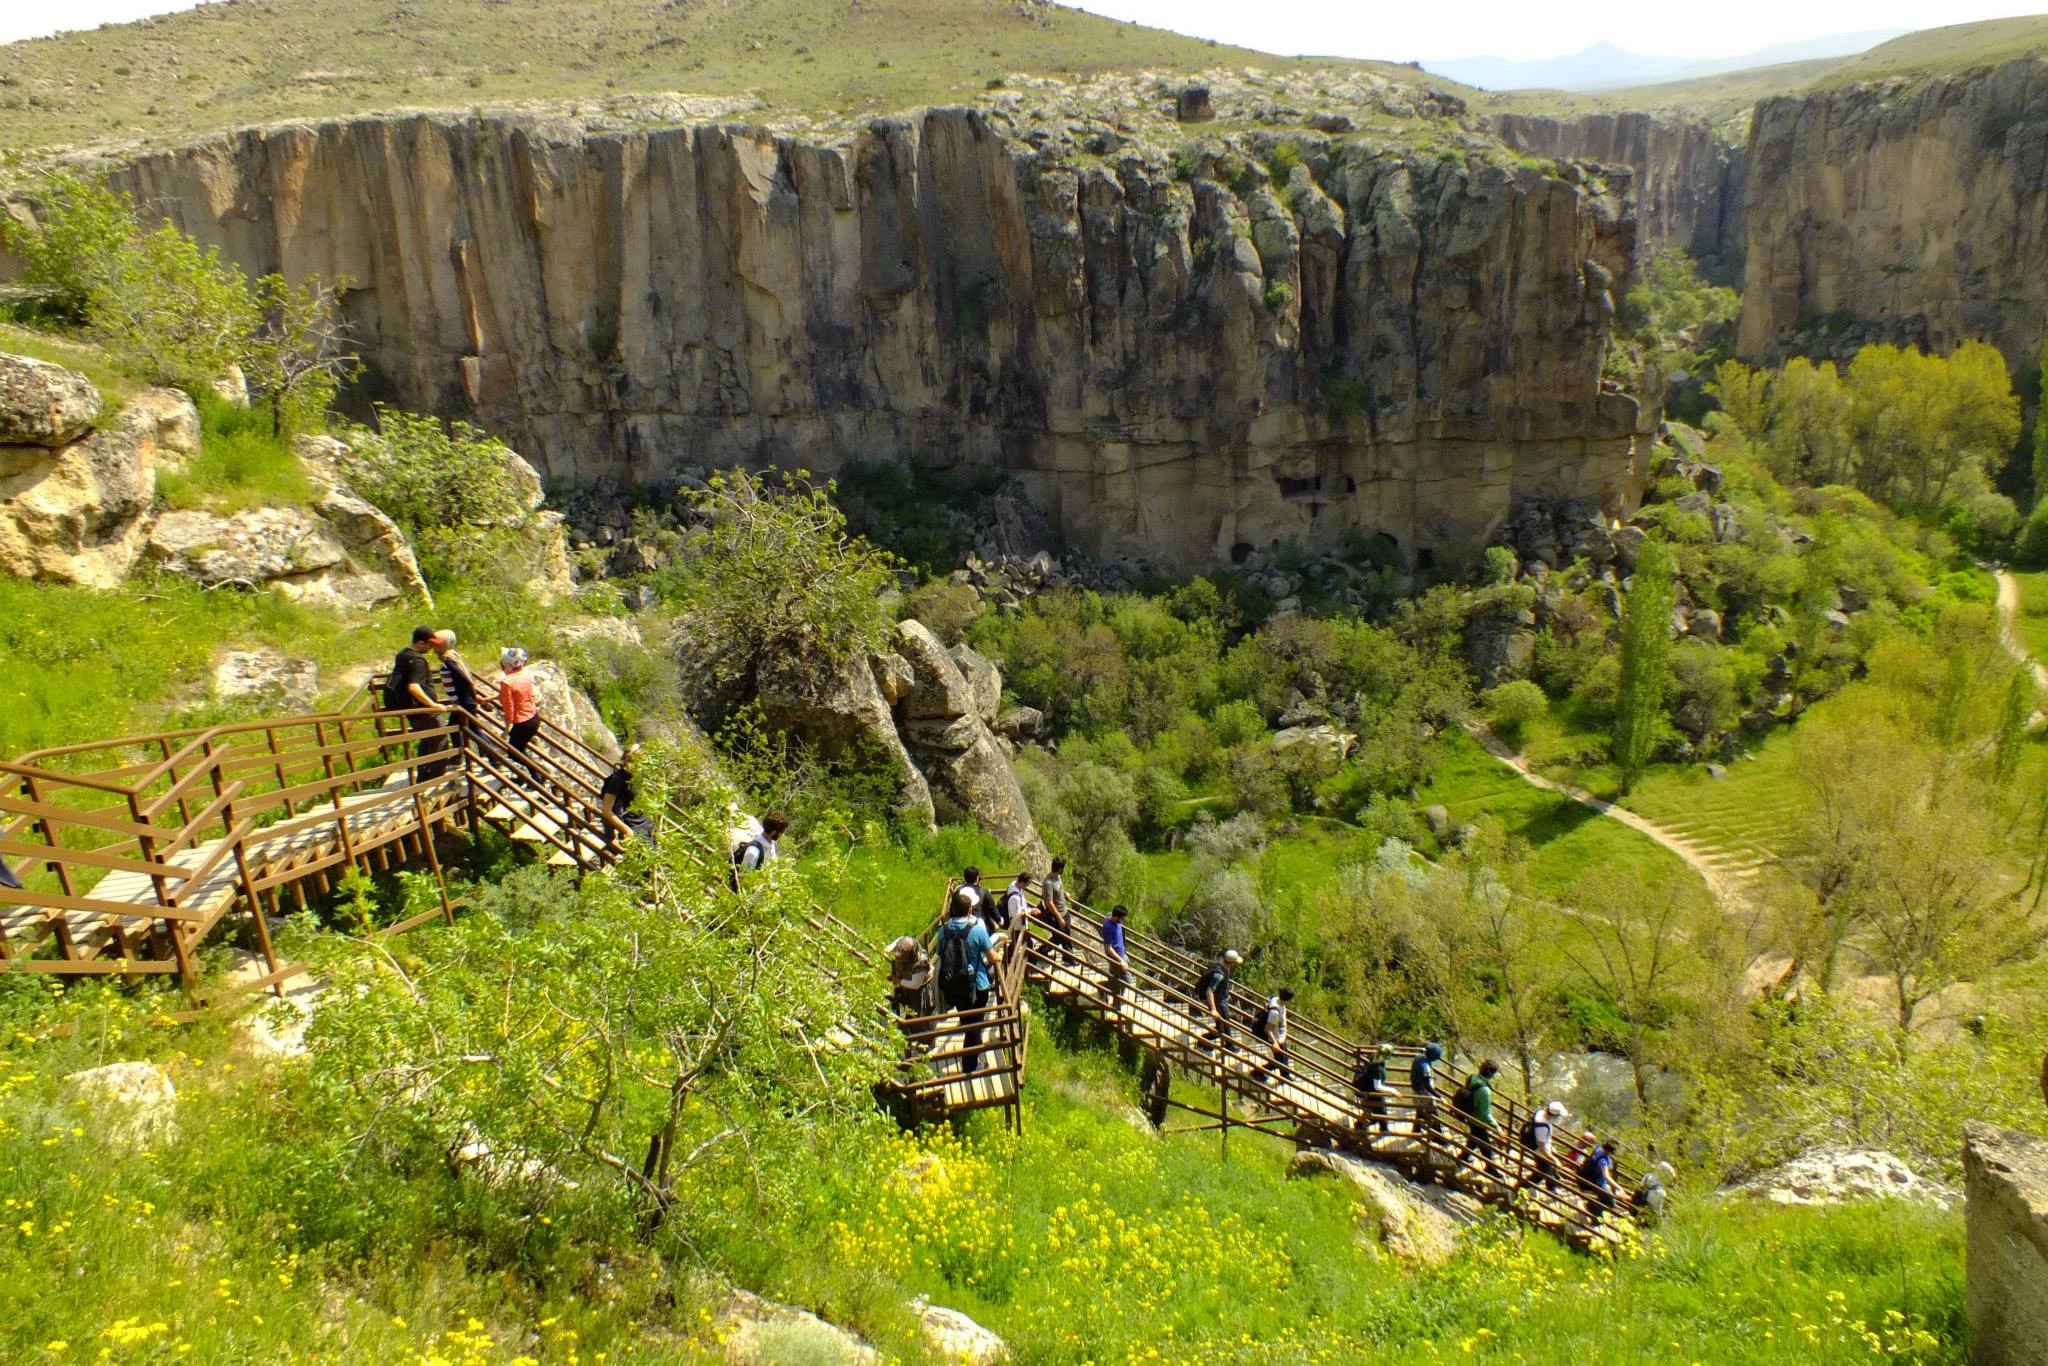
[341, 553]
[1190, 354]
[757, 1332]
[75, 503]
[839, 708]
[1830, 1176]
[1413, 1222]
[2006, 1282]
[1911, 210]
[947, 722]
[266, 675]
[1689, 178]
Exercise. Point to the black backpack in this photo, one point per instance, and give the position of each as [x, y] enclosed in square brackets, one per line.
[1589, 1168]
[1263, 1026]
[396, 698]
[1466, 1102]
[1533, 1133]
[956, 959]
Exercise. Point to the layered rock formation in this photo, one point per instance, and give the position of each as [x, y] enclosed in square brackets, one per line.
[1913, 210]
[1190, 356]
[1689, 179]
[2006, 1285]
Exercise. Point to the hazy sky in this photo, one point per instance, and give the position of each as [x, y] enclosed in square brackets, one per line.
[1396, 30]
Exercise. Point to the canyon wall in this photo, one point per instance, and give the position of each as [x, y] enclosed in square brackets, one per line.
[1181, 357]
[1689, 179]
[1913, 210]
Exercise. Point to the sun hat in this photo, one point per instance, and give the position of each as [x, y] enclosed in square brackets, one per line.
[1555, 1109]
[1232, 957]
[512, 658]
[1386, 1049]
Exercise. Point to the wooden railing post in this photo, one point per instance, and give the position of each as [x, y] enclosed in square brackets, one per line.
[35, 794]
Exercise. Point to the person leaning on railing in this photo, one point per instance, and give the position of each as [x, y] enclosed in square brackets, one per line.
[410, 688]
[458, 680]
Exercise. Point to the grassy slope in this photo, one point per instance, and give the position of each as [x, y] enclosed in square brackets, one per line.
[1940, 51]
[252, 63]
[212, 1246]
[2033, 614]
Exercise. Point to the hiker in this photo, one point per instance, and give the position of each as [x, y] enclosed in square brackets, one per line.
[1272, 1027]
[1009, 909]
[970, 882]
[458, 680]
[1596, 1170]
[1118, 952]
[1474, 1101]
[910, 978]
[1422, 1081]
[522, 712]
[1370, 1081]
[617, 793]
[1647, 1204]
[1539, 1133]
[962, 945]
[1212, 994]
[1052, 908]
[756, 848]
[409, 687]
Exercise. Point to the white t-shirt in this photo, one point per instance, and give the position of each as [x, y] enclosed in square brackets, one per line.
[758, 851]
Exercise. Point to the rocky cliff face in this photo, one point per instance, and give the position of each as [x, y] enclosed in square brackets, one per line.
[1689, 179]
[2007, 1282]
[1185, 357]
[1910, 210]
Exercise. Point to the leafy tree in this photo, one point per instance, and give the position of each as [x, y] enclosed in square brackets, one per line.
[80, 224]
[1645, 662]
[299, 354]
[1638, 942]
[453, 488]
[2041, 431]
[174, 309]
[1670, 299]
[1513, 705]
[2012, 726]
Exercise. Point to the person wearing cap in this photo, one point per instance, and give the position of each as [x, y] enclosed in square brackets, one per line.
[1539, 1134]
[515, 698]
[1369, 1079]
[617, 793]
[1212, 993]
[1647, 1203]
[1271, 1026]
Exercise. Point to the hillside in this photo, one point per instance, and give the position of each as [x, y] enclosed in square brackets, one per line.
[1936, 51]
[255, 61]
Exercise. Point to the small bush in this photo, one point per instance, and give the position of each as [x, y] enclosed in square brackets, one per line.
[1513, 706]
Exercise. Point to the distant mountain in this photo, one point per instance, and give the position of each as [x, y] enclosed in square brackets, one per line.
[1604, 66]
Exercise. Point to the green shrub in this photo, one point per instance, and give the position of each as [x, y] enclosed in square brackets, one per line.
[242, 463]
[1514, 705]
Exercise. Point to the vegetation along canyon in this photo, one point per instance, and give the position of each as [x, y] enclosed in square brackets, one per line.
[965, 681]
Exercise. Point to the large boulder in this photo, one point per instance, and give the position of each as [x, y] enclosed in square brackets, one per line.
[133, 1103]
[943, 729]
[2006, 1284]
[985, 681]
[836, 708]
[1415, 1223]
[1330, 746]
[43, 404]
[76, 513]
[757, 1332]
[1836, 1175]
[266, 675]
[253, 547]
[954, 1338]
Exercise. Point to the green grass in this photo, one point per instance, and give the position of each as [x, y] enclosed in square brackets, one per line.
[1747, 816]
[308, 58]
[241, 464]
[1569, 839]
[115, 384]
[1090, 1238]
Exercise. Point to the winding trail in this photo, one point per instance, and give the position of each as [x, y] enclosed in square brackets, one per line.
[1730, 884]
[2009, 626]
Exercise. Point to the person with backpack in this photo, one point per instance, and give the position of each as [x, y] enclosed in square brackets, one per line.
[1369, 1079]
[409, 687]
[1052, 909]
[1422, 1081]
[1012, 906]
[459, 682]
[1539, 1135]
[1474, 1101]
[910, 978]
[970, 882]
[961, 948]
[1596, 1172]
[1271, 1026]
[758, 849]
[1647, 1204]
[1212, 996]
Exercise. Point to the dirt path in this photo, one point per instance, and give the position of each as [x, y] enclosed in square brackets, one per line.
[1730, 886]
[2009, 627]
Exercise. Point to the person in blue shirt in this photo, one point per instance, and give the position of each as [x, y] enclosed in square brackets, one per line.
[1596, 1169]
[1422, 1081]
[963, 947]
[1119, 955]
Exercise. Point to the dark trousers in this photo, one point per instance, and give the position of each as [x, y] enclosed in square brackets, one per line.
[431, 744]
[520, 737]
[967, 997]
[1374, 1112]
[1479, 1144]
[1282, 1067]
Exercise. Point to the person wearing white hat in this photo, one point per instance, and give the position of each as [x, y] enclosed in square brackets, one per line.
[1538, 1131]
